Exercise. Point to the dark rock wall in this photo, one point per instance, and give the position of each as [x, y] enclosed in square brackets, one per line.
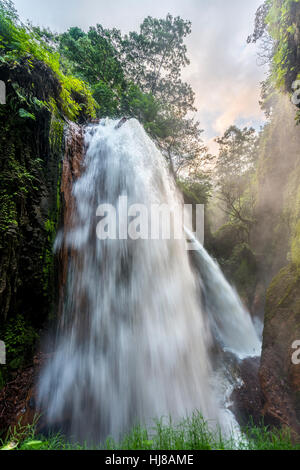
[279, 377]
[31, 153]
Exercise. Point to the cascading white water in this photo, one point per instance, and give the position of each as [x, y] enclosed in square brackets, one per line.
[231, 326]
[231, 323]
[133, 343]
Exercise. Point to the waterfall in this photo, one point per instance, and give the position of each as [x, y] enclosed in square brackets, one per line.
[231, 323]
[133, 340]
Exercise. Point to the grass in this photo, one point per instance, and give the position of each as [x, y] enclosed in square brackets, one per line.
[192, 433]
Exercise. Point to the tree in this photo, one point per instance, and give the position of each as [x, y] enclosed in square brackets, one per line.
[277, 28]
[50, 40]
[154, 58]
[7, 9]
[182, 145]
[139, 75]
[236, 162]
[261, 34]
[237, 152]
[93, 58]
[197, 188]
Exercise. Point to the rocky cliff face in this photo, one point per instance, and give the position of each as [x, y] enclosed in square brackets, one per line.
[71, 170]
[30, 166]
[273, 250]
[276, 242]
[18, 397]
[279, 377]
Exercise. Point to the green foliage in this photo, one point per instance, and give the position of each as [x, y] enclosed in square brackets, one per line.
[138, 75]
[16, 181]
[155, 57]
[281, 291]
[276, 185]
[47, 257]
[237, 152]
[56, 134]
[295, 247]
[192, 433]
[278, 22]
[234, 168]
[291, 214]
[8, 212]
[25, 114]
[283, 20]
[227, 237]
[196, 190]
[103, 72]
[92, 58]
[183, 146]
[242, 269]
[19, 44]
[20, 339]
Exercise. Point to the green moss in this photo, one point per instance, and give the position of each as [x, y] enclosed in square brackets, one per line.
[291, 214]
[281, 288]
[29, 213]
[8, 212]
[48, 258]
[56, 133]
[20, 339]
[17, 180]
[56, 143]
[295, 247]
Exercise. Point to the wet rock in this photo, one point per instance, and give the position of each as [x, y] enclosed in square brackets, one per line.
[279, 377]
[248, 398]
[121, 123]
[72, 169]
[18, 402]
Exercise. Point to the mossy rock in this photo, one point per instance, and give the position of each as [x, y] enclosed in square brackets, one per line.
[284, 291]
[295, 247]
[280, 378]
[30, 164]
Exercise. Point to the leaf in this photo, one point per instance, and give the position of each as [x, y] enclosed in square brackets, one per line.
[25, 114]
[38, 103]
[10, 446]
[32, 445]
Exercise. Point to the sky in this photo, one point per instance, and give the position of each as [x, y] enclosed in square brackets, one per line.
[223, 71]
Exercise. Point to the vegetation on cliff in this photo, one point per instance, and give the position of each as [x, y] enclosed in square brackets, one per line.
[258, 191]
[261, 237]
[40, 99]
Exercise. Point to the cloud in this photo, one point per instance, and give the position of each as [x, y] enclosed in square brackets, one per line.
[224, 70]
